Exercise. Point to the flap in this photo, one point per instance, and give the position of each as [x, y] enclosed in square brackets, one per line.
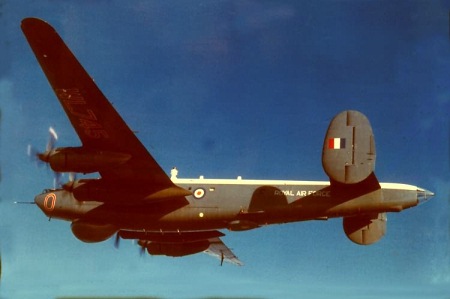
[219, 250]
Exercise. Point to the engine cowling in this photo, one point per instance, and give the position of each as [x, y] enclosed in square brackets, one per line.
[366, 229]
[92, 233]
[78, 159]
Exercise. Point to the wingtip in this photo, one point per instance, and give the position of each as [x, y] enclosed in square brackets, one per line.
[33, 22]
[30, 20]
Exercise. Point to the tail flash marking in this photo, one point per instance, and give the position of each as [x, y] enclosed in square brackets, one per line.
[336, 143]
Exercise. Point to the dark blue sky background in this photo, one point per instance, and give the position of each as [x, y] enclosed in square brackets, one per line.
[228, 88]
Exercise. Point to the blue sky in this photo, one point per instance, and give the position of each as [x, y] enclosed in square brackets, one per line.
[228, 88]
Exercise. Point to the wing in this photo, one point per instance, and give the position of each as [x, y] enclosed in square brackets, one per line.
[96, 122]
[218, 249]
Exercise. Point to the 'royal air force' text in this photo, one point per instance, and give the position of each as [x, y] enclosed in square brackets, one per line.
[302, 193]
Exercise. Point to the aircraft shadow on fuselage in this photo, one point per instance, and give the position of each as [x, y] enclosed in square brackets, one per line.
[270, 201]
[111, 212]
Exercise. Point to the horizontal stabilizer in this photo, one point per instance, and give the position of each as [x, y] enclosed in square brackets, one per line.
[365, 229]
[348, 154]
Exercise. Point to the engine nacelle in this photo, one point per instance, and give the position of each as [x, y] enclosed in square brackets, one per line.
[78, 159]
[92, 233]
[366, 229]
[176, 249]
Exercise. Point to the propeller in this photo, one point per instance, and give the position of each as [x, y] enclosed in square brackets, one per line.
[57, 179]
[117, 240]
[142, 244]
[43, 157]
[142, 249]
[52, 140]
[40, 157]
[70, 183]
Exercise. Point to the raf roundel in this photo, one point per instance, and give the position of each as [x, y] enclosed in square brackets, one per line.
[199, 193]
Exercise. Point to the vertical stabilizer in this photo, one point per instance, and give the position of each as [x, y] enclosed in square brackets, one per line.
[348, 154]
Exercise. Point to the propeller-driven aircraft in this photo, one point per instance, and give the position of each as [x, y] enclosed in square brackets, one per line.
[133, 198]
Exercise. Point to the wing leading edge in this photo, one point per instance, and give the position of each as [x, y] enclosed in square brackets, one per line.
[96, 122]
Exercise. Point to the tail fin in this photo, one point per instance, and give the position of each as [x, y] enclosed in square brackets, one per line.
[348, 158]
[348, 154]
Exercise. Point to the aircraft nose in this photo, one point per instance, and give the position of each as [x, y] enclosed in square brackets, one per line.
[423, 195]
[39, 200]
[46, 202]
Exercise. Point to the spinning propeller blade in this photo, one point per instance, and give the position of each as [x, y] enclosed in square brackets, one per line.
[43, 157]
[70, 184]
[117, 240]
[142, 249]
[40, 157]
[52, 140]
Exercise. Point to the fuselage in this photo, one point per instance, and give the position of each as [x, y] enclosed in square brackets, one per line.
[235, 204]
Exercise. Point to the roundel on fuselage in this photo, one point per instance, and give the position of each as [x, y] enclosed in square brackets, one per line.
[199, 193]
